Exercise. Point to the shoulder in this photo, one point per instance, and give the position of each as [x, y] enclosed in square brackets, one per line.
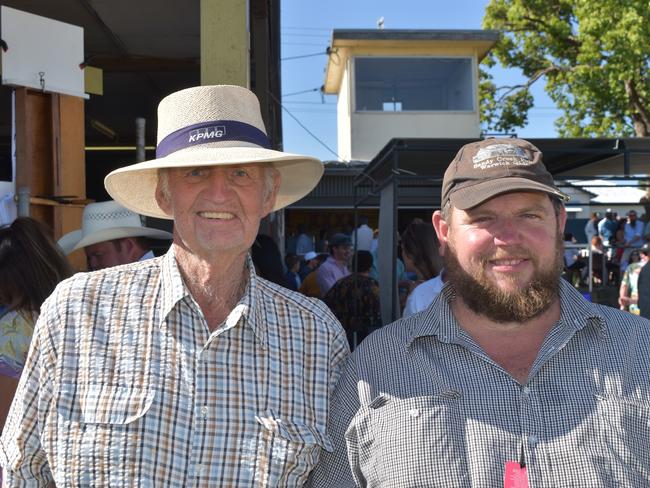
[626, 329]
[91, 291]
[291, 305]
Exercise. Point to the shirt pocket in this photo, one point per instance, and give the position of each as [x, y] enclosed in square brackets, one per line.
[284, 451]
[624, 426]
[100, 433]
[429, 431]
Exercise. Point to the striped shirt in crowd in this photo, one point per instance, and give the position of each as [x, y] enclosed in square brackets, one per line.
[420, 404]
[126, 386]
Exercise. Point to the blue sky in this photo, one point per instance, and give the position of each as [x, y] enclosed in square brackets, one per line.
[306, 30]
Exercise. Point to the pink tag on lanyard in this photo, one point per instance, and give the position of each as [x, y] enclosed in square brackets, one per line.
[515, 476]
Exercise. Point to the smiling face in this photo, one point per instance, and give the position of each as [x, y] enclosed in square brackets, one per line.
[217, 209]
[504, 257]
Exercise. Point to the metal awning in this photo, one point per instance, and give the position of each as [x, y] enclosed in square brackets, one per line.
[412, 170]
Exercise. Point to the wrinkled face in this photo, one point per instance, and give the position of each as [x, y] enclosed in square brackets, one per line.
[217, 209]
[504, 257]
[105, 255]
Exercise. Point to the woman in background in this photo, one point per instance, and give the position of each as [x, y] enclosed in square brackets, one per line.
[31, 265]
[421, 253]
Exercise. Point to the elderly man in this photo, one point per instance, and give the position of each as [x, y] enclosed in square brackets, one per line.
[111, 235]
[188, 369]
[510, 377]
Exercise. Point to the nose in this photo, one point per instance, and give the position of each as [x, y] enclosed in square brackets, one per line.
[506, 232]
[218, 186]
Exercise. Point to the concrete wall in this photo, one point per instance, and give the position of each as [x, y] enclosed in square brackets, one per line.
[371, 131]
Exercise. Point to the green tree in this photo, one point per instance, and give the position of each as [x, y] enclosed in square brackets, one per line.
[594, 56]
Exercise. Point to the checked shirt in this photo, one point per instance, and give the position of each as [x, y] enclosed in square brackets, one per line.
[125, 385]
[421, 405]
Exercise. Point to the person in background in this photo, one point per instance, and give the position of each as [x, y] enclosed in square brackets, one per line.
[335, 266]
[304, 241]
[291, 277]
[632, 237]
[309, 286]
[573, 264]
[362, 236]
[628, 295]
[354, 300]
[31, 265]
[607, 227]
[111, 235]
[187, 369]
[421, 253]
[591, 227]
[510, 374]
[267, 259]
[308, 264]
[643, 287]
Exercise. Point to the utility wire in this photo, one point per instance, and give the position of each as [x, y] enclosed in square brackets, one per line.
[303, 56]
[299, 92]
[303, 125]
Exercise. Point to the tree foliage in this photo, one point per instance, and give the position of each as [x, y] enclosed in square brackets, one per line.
[594, 56]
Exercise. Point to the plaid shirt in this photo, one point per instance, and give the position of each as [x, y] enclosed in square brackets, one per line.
[421, 405]
[126, 386]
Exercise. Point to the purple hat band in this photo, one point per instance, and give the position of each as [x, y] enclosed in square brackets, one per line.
[207, 132]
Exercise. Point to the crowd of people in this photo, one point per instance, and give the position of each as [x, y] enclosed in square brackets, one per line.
[224, 363]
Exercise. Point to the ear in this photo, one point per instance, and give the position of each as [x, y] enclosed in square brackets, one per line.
[442, 229]
[161, 198]
[269, 201]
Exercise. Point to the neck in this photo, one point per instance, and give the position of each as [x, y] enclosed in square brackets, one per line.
[216, 284]
[514, 346]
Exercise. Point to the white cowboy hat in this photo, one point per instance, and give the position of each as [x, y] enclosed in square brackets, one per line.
[105, 221]
[207, 126]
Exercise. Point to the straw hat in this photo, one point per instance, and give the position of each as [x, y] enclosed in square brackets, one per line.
[105, 221]
[207, 126]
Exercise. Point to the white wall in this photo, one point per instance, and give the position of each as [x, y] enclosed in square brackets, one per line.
[343, 119]
[371, 131]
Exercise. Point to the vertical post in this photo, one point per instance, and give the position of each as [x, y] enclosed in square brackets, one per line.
[225, 41]
[23, 201]
[139, 139]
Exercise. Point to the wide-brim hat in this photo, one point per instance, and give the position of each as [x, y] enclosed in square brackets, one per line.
[105, 221]
[208, 126]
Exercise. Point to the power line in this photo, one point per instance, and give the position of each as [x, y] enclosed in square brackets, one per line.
[306, 28]
[303, 56]
[300, 92]
[303, 125]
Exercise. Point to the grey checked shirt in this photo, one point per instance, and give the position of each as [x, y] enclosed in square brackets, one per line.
[421, 405]
[125, 386]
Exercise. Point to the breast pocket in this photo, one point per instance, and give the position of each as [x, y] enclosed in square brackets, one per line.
[101, 430]
[284, 451]
[429, 431]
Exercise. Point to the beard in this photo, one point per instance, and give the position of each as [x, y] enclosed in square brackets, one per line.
[521, 305]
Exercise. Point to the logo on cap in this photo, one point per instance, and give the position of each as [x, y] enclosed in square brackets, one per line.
[207, 133]
[501, 155]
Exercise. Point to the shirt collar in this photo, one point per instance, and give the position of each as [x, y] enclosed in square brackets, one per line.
[438, 320]
[247, 310]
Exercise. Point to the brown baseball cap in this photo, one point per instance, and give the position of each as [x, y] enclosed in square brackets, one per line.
[484, 169]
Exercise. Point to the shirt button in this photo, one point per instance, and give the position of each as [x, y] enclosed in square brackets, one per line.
[200, 469]
[533, 440]
[204, 411]
[414, 412]
[526, 391]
